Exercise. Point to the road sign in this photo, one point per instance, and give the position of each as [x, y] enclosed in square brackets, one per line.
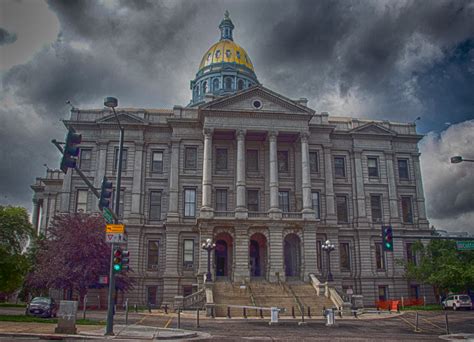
[107, 214]
[465, 245]
[115, 238]
[115, 228]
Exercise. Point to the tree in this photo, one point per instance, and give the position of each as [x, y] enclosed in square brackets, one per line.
[440, 264]
[15, 234]
[74, 255]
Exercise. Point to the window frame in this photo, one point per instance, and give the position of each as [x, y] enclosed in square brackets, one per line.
[286, 155]
[314, 166]
[160, 168]
[380, 209]
[406, 169]
[247, 164]
[121, 204]
[225, 207]
[81, 204]
[191, 204]
[159, 216]
[189, 164]
[339, 167]
[376, 168]
[380, 260]
[257, 192]
[226, 153]
[190, 263]
[284, 201]
[317, 212]
[151, 258]
[410, 207]
[87, 160]
[124, 158]
[346, 219]
[342, 263]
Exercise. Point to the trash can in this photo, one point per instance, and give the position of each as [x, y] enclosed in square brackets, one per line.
[330, 317]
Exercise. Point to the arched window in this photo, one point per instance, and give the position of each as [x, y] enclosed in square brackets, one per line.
[240, 84]
[215, 84]
[196, 91]
[204, 87]
[228, 83]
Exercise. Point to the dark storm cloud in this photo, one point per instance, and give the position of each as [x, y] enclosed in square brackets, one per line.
[6, 37]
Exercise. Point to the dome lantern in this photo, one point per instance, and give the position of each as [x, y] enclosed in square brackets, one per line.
[226, 27]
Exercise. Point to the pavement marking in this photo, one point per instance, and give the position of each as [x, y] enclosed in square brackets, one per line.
[168, 323]
[410, 324]
[435, 325]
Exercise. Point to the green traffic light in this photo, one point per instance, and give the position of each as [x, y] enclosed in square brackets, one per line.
[117, 267]
[388, 245]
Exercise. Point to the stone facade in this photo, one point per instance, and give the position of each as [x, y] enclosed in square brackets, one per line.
[266, 178]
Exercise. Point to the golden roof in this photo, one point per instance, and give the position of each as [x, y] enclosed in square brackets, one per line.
[226, 51]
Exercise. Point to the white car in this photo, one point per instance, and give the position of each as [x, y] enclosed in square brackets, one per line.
[456, 302]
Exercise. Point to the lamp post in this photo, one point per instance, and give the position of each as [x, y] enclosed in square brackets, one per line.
[328, 248]
[208, 245]
[459, 159]
[112, 102]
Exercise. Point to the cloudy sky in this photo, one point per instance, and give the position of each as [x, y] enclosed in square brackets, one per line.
[393, 60]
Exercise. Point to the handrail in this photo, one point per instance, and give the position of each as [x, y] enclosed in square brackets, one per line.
[334, 296]
[252, 298]
[196, 298]
[296, 299]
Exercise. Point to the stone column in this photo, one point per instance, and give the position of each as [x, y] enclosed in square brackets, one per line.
[359, 186]
[35, 214]
[310, 252]
[274, 211]
[392, 189]
[173, 215]
[100, 171]
[206, 208]
[171, 277]
[308, 212]
[420, 196]
[275, 255]
[330, 201]
[241, 262]
[240, 209]
[65, 193]
[136, 214]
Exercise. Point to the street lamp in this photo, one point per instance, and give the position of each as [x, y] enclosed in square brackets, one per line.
[459, 159]
[328, 248]
[112, 102]
[208, 245]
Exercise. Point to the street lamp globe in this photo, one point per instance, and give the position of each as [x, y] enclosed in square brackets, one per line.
[110, 102]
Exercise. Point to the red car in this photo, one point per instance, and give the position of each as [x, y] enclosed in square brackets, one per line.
[42, 307]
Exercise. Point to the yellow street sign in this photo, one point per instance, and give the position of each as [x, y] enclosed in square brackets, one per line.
[115, 228]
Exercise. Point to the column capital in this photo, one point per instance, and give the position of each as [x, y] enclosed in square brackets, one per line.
[304, 136]
[240, 134]
[208, 132]
[272, 135]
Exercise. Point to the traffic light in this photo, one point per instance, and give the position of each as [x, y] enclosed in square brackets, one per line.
[71, 151]
[117, 260]
[125, 260]
[387, 238]
[105, 194]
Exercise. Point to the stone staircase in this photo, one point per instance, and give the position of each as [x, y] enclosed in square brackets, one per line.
[306, 295]
[227, 293]
[273, 295]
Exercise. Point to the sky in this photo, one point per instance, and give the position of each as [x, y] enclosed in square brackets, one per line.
[381, 59]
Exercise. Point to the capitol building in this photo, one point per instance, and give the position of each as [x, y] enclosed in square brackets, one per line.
[265, 177]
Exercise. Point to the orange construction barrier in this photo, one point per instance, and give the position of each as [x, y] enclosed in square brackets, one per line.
[394, 305]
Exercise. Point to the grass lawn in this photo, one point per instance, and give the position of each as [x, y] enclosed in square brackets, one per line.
[12, 305]
[429, 307]
[29, 319]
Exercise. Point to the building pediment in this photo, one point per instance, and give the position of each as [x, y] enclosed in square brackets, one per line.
[257, 99]
[372, 128]
[125, 118]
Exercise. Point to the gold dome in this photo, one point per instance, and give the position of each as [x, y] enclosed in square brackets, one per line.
[226, 51]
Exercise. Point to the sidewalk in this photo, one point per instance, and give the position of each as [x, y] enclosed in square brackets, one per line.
[139, 332]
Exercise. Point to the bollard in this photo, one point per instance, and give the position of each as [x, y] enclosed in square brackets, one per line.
[302, 313]
[403, 303]
[355, 313]
[126, 311]
[261, 313]
[416, 322]
[228, 312]
[245, 312]
[274, 316]
[447, 323]
[135, 306]
[330, 321]
[424, 301]
[293, 312]
[179, 317]
[213, 314]
[98, 302]
[340, 311]
[84, 306]
[197, 318]
[166, 308]
[309, 312]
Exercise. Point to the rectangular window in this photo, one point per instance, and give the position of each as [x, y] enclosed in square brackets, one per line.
[188, 252]
[320, 254]
[152, 259]
[155, 205]
[124, 159]
[221, 159]
[284, 201]
[283, 161]
[112, 204]
[379, 257]
[157, 161]
[403, 169]
[190, 158]
[340, 167]
[221, 199]
[189, 203]
[187, 290]
[383, 292]
[414, 291]
[372, 164]
[85, 159]
[151, 294]
[252, 160]
[341, 207]
[81, 200]
[313, 162]
[376, 208]
[252, 200]
[315, 202]
[407, 211]
[411, 255]
[345, 256]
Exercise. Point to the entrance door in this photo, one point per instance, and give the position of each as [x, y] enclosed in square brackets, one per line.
[255, 267]
[221, 259]
[292, 255]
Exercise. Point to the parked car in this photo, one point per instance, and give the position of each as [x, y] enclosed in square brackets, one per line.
[42, 307]
[457, 301]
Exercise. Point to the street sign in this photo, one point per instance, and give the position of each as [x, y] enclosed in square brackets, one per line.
[107, 214]
[103, 280]
[115, 228]
[465, 245]
[115, 238]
